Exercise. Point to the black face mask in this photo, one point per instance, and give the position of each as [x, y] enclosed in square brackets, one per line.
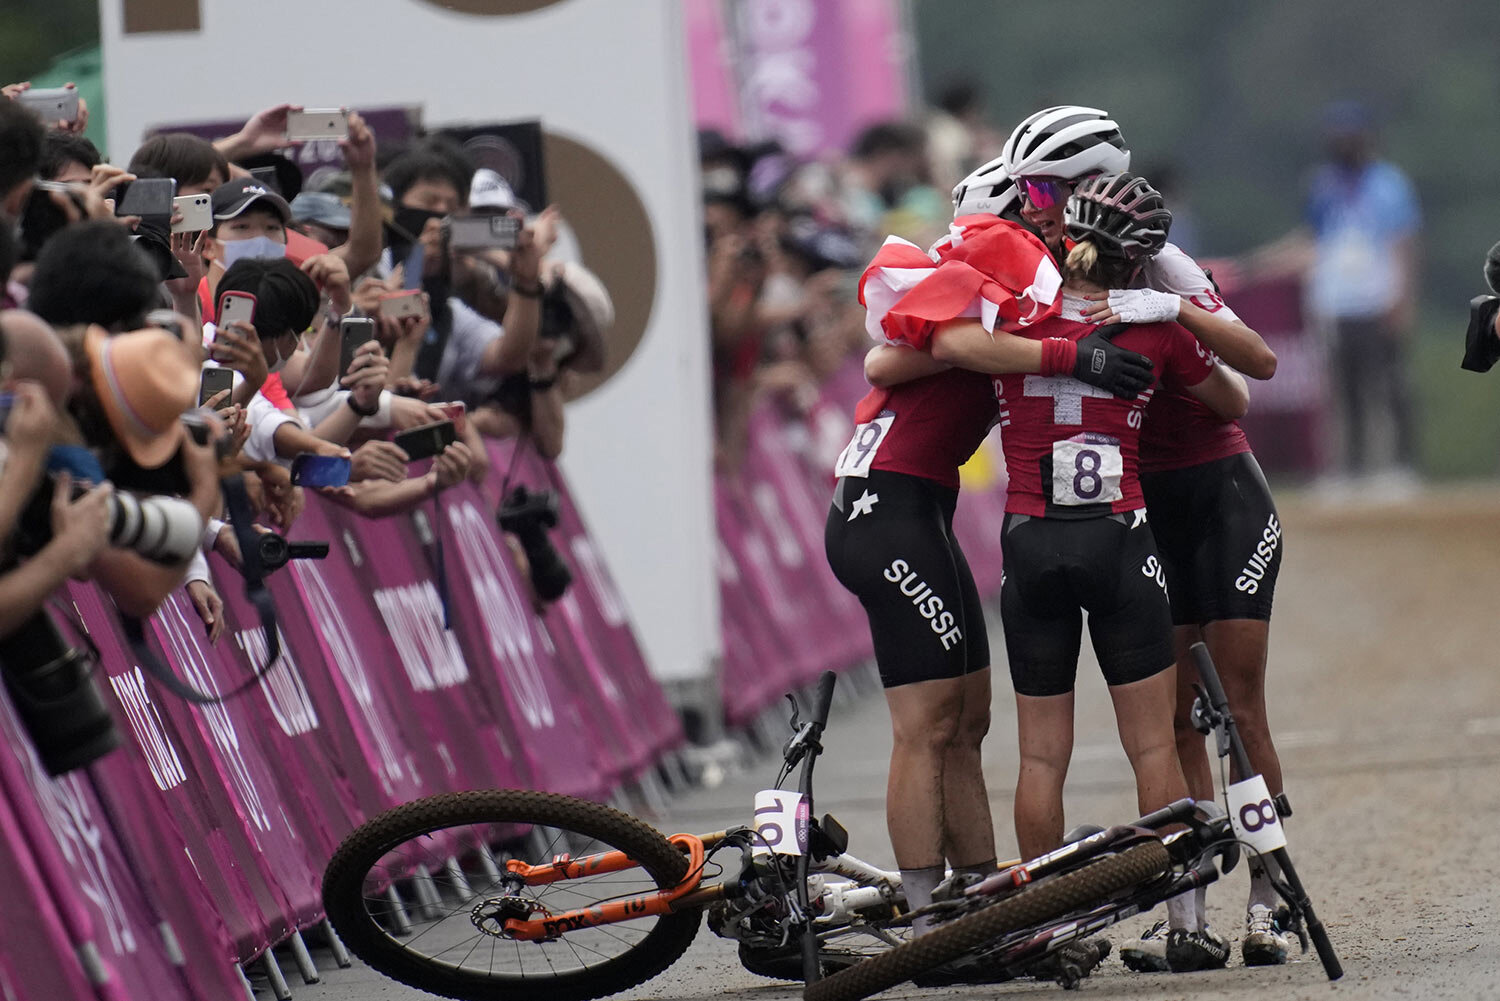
[406, 226]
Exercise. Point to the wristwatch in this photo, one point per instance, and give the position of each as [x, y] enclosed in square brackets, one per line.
[360, 410]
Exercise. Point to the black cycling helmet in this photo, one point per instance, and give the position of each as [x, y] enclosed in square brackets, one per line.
[1122, 213]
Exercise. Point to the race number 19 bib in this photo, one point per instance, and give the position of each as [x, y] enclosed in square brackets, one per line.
[856, 457]
[1086, 469]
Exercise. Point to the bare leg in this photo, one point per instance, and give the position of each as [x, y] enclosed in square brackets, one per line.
[1191, 748]
[969, 829]
[1143, 713]
[1238, 647]
[1044, 727]
[924, 721]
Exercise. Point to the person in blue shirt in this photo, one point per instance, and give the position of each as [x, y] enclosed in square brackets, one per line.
[1358, 251]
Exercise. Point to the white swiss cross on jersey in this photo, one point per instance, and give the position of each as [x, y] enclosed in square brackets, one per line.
[1067, 395]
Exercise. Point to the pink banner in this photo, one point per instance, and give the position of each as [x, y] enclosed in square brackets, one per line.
[217, 858]
[497, 627]
[1288, 418]
[76, 859]
[593, 617]
[435, 677]
[266, 791]
[38, 962]
[813, 73]
[715, 104]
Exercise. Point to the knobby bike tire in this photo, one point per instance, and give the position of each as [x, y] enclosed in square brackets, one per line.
[1044, 901]
[344, 902]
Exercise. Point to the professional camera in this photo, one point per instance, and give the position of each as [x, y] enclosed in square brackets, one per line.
[55, 697]
[527, 516]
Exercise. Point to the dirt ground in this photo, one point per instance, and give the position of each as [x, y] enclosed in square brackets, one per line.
[1385, 699]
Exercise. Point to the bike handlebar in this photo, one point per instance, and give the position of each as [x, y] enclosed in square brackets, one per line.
[1173, 813]
[823, 699]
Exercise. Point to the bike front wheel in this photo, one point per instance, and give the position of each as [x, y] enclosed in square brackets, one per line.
[421, 894]
[1044, 901]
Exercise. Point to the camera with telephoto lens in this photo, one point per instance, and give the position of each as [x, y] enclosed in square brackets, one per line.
[527, 515]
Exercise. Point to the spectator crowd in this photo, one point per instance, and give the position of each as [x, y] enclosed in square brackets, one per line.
[339, 339]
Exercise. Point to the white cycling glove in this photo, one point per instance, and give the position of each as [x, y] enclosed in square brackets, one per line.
[1144, 305]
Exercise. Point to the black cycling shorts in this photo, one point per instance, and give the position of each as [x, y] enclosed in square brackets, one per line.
[890, 541]
[1055, 570]
[1219, 537]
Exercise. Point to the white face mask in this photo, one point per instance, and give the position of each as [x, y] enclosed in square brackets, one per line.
[257, 247]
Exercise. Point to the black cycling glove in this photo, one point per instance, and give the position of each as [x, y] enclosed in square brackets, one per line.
[1117, 370]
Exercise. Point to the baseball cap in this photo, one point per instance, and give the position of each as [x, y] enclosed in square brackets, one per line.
[321, 207]
[146, 381]
[489, 190]
[238, 194]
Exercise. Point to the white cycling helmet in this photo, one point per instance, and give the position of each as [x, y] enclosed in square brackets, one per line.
[989, 189]
[1068, 142]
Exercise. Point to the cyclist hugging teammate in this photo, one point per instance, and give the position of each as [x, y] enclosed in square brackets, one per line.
[1102, 426]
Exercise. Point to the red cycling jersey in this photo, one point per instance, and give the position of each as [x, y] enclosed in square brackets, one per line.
[927, 427]
[1071, 449]
[1181, 432]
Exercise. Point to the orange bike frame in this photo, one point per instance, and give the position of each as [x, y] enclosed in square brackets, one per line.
[610, 911]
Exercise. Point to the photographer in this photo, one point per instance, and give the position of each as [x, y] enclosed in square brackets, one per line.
[34, 370]
[126, 408]
[576, 316]
[1482, 343]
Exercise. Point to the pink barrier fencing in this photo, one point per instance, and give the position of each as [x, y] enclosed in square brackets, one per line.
[202, 841]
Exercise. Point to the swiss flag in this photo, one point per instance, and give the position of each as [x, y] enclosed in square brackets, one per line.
[986, 267]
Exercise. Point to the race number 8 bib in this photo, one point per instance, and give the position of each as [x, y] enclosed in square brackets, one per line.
[1086, 472]
[856, 457]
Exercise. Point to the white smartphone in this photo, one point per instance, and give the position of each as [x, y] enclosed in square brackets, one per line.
[58, 104]
[195, 211]
[235, 306]
[400, 305]
[317, 123]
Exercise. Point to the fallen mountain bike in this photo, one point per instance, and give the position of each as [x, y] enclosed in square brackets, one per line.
[1001, 925]
[516, 895]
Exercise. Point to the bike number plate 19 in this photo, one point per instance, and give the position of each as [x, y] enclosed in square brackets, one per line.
[1254, 815]
[856, 457]
[781, 821]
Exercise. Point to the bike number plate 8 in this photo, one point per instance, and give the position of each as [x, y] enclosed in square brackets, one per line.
[781, 821]
[1254, 815]
[1086, 472]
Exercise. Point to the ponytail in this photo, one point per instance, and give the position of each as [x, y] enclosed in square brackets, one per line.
[1082, 260]
[1086, 263]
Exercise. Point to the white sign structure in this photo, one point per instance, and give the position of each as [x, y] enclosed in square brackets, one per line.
[606, 75]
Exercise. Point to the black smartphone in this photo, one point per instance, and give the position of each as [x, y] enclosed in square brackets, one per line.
[215, 381]
[354, 333]
[41, 217]
[309, 470]
[426, 441]
[149, 198]
[266, 176]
